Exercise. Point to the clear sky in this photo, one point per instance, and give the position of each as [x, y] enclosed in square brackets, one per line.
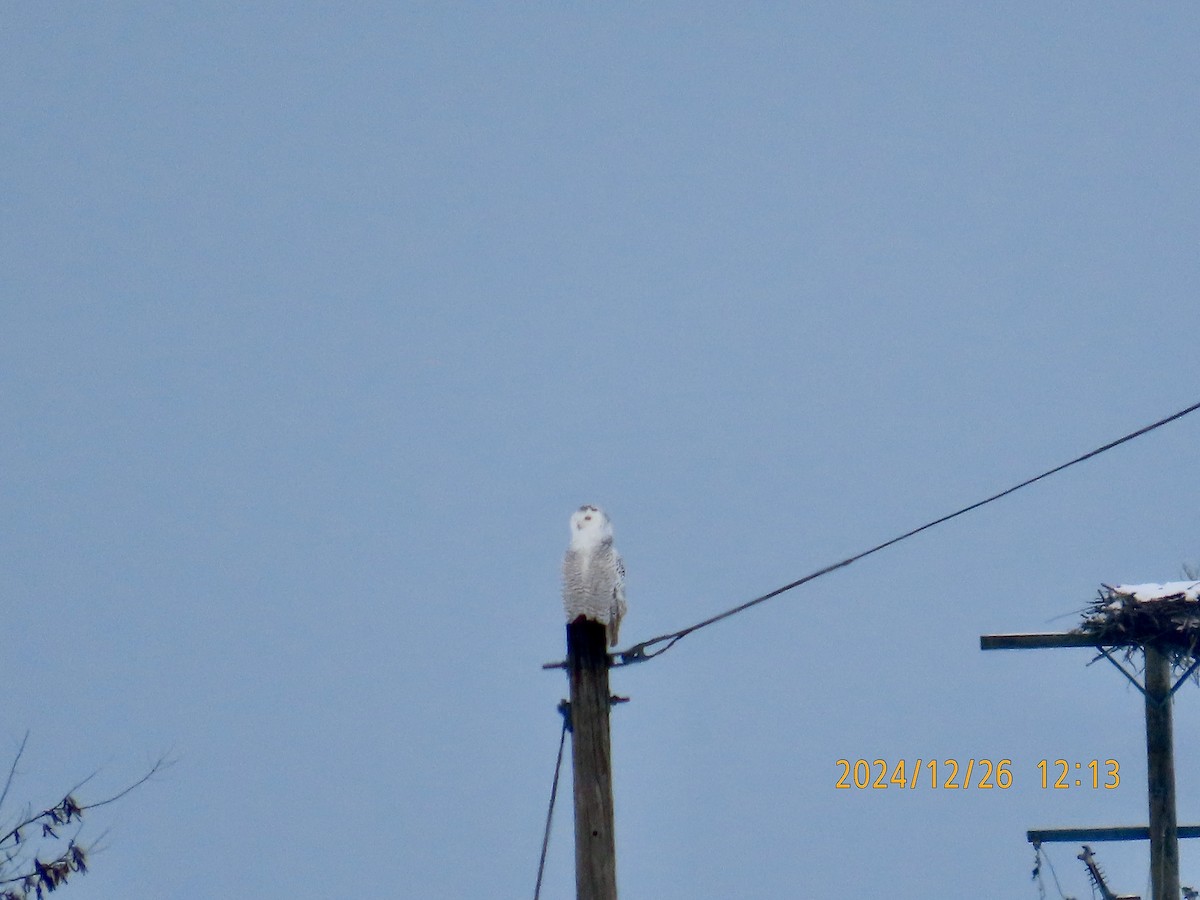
[317, 322]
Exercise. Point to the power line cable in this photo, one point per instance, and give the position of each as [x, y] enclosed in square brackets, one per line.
[638, 652]
[1041, 856]
[562, 739]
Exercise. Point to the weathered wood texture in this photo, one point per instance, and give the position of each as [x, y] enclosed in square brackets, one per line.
[1160, 777]
[1049, 640]
[1111, 833]
[591, 757]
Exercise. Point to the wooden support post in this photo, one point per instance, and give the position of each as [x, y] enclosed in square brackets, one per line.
[1160, 777]
[1111, 833]
[1164, 831]
[591, 757]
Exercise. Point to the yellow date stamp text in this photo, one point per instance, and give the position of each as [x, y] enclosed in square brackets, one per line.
[980, 774]
[944, 774]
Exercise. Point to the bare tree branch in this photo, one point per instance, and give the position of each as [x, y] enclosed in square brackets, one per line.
[22, 867]
[12, 770]
[160, 765]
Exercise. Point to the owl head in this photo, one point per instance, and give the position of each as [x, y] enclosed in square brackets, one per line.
[590, 527]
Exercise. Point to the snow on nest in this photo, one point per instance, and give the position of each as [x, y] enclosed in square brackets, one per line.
[1172, 590]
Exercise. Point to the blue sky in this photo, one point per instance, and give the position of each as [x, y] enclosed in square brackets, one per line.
[319, 321]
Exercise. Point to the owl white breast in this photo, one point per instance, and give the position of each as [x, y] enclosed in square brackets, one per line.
[593, 574]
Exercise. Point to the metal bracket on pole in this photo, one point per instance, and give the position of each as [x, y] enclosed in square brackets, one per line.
[1184, 677]
[1104, 651]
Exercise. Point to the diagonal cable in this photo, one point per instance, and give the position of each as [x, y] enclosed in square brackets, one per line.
[638, 652]
[537, 890]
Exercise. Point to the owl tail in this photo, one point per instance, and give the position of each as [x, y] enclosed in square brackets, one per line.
[614, 622]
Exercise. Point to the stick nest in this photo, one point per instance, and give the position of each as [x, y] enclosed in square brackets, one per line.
[1171, 622]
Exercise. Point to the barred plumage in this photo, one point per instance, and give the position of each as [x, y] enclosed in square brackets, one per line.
[593, 573]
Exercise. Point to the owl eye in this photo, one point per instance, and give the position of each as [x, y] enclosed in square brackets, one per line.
[587, 518]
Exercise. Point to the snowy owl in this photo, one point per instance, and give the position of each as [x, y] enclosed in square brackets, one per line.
[593, 574]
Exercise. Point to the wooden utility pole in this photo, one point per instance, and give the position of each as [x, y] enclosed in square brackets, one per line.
[591, 758]
[1160, 776]
[1164, 831]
